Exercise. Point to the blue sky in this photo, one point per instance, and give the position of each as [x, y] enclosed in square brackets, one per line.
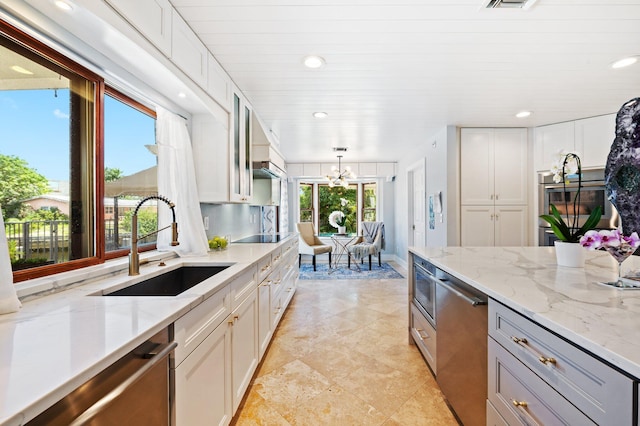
[35, 127]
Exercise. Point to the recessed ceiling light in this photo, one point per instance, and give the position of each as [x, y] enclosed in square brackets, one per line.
[313, 61]
[320, 114]
[624, 62]
[19, 69]
[182, 95]
[523, 114]
[61, 4]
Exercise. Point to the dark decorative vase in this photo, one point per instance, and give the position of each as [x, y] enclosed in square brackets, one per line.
[622, 172]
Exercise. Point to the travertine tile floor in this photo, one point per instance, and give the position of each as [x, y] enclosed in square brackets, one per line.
[341, 357]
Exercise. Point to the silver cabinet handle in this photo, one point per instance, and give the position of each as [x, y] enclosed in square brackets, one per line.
[103, 402]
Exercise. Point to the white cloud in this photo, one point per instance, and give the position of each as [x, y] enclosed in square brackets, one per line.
[60, 114]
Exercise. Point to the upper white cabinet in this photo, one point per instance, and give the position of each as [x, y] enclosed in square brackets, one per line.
[219, 84]
[151, 17]
[240, 173]
[549, 140]
[591, 138]
[211, 148]
[363, 170]
[493, 166]
[188, 52]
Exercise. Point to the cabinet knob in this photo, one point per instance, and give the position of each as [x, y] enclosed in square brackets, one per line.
[497, 196]
[519, 403]
[546, 360]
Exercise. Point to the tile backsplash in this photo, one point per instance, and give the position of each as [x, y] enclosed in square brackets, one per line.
[237, 220]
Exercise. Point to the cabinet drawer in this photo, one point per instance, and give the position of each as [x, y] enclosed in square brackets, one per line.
[600, 391]
[276, 257]
[242, 287]
[264, 267]
[493, 417]
[424, 335]
[193, 327]
[522, 398]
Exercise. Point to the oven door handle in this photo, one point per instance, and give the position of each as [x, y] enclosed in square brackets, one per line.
[103, 402]
[423, 269]
[574, 185]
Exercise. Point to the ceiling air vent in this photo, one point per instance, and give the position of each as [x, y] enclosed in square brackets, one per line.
[508, 4]
[339, 149]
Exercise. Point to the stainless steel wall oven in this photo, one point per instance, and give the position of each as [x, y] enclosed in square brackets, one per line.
[592, 194]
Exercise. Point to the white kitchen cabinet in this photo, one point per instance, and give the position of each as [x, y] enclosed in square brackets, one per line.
[211, 148]
[151, 17]
[493, 187]
[240, 173]
[590, 137]
[219, 84]
[203, 382]
[550, 140]
[295, 169]
[488, 226]
[202, 363]
[593, 139]
[187, 51]
[264, 315]
[244, 346]
[493, 166]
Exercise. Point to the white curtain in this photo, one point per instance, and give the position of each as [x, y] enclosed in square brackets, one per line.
[177, 182]
[8, 299]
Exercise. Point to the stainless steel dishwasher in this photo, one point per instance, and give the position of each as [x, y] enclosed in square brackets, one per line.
[132, 391]
[461, 316]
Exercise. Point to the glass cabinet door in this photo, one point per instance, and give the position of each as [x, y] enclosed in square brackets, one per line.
[241, 182]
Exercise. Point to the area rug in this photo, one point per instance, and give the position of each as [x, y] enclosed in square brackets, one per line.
[386, 272]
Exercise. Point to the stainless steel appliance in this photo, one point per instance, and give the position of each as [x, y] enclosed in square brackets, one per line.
[133, 391]
[461, 353]
[592, 195]
[424, 289]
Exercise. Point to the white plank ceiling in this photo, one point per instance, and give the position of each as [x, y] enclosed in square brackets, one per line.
[397, 71]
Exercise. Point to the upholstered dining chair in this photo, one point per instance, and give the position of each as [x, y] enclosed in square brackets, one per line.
[370, 243]
[310, 243]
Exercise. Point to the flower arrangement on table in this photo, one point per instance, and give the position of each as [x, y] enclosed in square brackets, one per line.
[569, 230]
[337, 218]
[616, 244]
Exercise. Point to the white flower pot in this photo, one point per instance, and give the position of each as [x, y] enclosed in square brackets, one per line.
[342, 229]
[570, 254]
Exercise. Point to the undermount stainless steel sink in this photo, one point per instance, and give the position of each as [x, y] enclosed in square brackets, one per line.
[171, 283]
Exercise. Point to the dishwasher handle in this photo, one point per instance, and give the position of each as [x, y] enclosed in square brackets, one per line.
[102, 403]
[473, 300]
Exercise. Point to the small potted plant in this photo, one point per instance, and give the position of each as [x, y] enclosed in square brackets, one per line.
[338, 219]
[567, 229]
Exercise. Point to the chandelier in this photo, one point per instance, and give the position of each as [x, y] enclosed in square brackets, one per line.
[338, 177]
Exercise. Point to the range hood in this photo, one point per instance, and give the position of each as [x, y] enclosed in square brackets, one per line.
[267, 160]
[267, 170]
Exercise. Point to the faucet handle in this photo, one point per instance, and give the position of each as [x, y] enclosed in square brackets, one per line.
[174, 234]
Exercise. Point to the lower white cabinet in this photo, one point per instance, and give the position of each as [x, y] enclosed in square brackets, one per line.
[203, 382]
[222, 340]
[488, 226]
[244, 346]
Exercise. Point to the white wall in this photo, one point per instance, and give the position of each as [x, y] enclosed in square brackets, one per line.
[441, 153]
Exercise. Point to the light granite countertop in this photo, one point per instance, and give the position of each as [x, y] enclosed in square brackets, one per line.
[59, 341]
[603, 320]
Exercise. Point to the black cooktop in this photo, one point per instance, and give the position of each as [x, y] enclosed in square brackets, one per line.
[262, 238]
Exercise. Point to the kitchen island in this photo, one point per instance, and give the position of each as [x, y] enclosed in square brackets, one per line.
[57, 342]
[565, 304]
